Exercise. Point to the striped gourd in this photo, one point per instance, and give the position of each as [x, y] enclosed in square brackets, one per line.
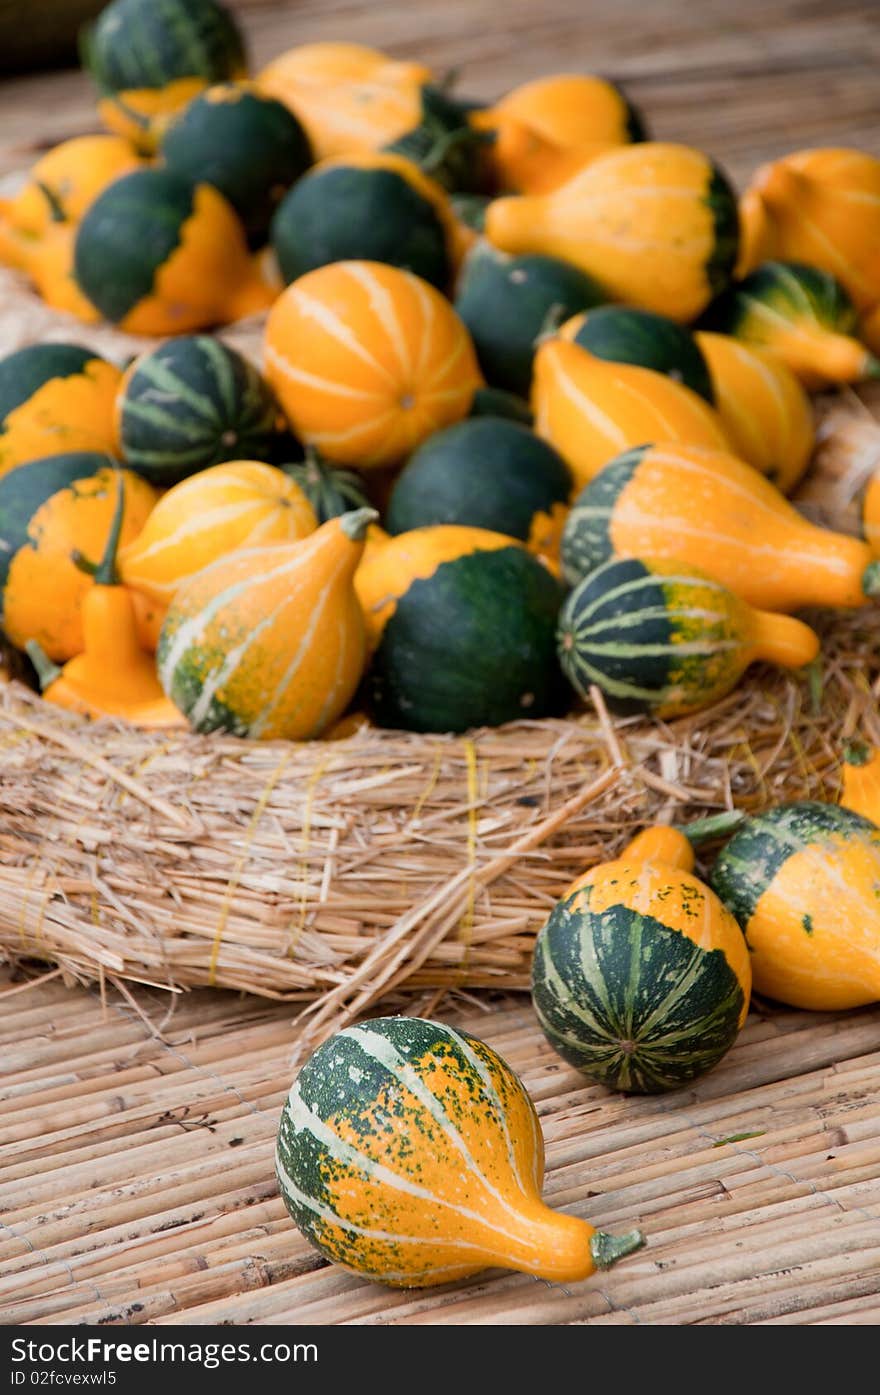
[367, 360]
[411, 1154]
[269, 641]
[641, 977]
[54, 399]
[712, 511]
[242, 504]
[148, 58]
[330, 491]
[764, 409]
[191, 403]
[622, 334]
[662, 637]
[591, 409]
[802, 881]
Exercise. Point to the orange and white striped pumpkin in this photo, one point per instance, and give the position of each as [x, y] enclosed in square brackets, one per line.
[592, 409]
[367, 361]
[269, 641]
[240, 504]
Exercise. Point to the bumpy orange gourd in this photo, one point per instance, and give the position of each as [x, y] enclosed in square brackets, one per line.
[367, 360]
[69, 412]
[269, 641]
[241, 504]
[591, 409]
[548, 129]
[765, 411]
[45, 589]
[63, 184]
[347, 97]
[654, 223]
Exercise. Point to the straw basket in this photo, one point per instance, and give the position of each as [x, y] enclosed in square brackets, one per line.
[336, 873]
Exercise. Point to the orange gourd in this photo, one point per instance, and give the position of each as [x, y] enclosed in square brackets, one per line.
[55, 399]
[64, 183]
[591, 409]
[654, 223]
[861, 780]
[764, 409]
[367, 360]
[205, 517]
[871, 514]
[268, 642]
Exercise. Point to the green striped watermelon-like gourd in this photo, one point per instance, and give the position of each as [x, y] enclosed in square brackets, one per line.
[659, 636]
[330, 490]
[641, 977]
[190, 403]
[411, 1154]
[623, 334]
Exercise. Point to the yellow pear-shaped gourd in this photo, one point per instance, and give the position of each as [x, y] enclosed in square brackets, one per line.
[861, 780]
[654, 223]
[269, 641]
[411, 1154]
[591, 409]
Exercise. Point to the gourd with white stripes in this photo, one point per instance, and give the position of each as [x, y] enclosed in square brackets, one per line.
[641, 977]
[269, 642]
[411, 1154]
[662, 637]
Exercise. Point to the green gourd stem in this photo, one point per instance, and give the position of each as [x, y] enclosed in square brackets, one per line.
[355, 524]
[550, 324]
[608, 1249]
[446, 141]
[55, 206]
[857, 753]
[713, 826]
[106, 573]
[47, 670]
[871, 579]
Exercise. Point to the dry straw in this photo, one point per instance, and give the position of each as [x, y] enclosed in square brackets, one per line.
[338, 872]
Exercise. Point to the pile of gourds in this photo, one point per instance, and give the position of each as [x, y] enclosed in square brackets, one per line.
[534, 391]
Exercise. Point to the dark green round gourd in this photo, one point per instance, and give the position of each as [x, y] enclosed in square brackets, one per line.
[641, 337]
[150, 43]
[348, 212]
[486, 472]
[444, 144]
[470, 645]
[190, 403]
[586, 537]
[495, 402]
[506, 302]
[249, 146]
[330, 491]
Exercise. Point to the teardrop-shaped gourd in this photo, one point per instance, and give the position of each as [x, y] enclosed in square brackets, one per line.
[546, 130]
[641, 977]
[242, 504]
[645, 339]
[765, 410]
[819, 206]
[591, 409]
[861, 780]
[712, 511]
[367, 360]
[802, 881]
[655, 224]
[269, 641]
[803, 316]
[662, 637]
[411, 1154]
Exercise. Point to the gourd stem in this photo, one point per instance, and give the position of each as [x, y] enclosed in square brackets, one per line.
[355, 524]
[608, 1249]
[106, 573]
[47, 670]
[857, 753]
[713, 826]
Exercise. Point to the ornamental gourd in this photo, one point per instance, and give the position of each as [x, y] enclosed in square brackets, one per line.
[802, 881]
[655, 224]
[157, 255]
[268, 642]
[367, 360]
[54, 399]
[712, 511]
[330, 491]
[870, 513]
[486, 472]
[546, 130]
[764, 409]
[376, 207]
[861, 780]
[148, 58]
[50, 511]
[411, 1154]
[662, 637]
[49, 264]
[462, 626]
[507, 302]
[641, 977]
[242, 504]
[190, 403]
[60, 187]
[620, 334]
[800, 314]
[246, 145]
[591, 409]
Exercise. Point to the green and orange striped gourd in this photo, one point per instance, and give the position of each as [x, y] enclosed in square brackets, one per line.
[411, 1154]
[55, 399]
